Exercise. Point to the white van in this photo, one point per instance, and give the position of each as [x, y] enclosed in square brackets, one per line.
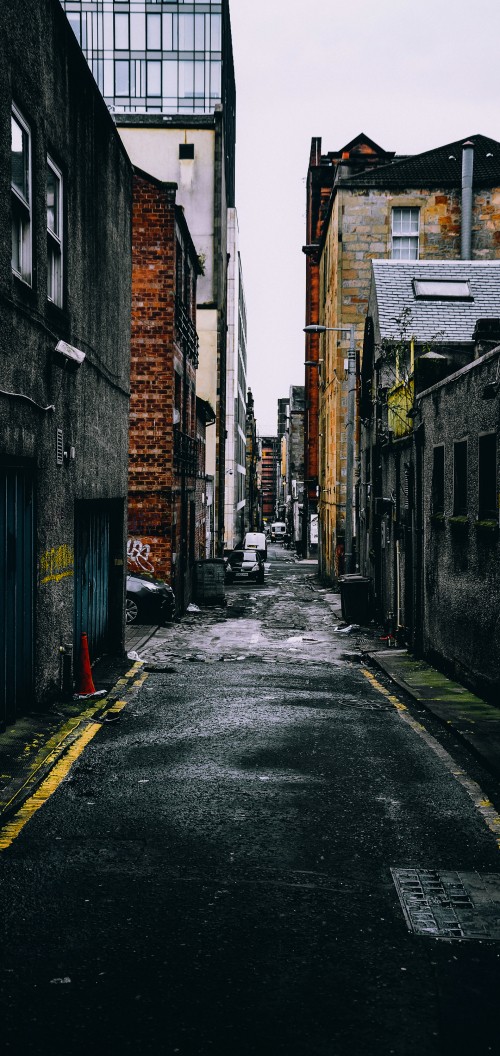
[278, 530]
[256, 541]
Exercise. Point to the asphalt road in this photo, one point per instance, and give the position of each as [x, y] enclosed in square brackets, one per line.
[214, 874]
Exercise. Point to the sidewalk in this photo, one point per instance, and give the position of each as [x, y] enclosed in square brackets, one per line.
[473, 719]
[476, 722]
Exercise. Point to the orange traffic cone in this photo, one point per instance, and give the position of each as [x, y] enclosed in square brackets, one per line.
[86, 686]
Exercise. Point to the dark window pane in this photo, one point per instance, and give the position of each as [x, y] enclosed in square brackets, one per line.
[438, 480]
[460, 478]
[488, 501]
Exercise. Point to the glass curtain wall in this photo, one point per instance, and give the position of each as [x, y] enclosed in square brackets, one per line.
[152, 56]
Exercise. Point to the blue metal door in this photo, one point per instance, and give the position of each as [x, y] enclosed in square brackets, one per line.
[16, 592]
[91, 577]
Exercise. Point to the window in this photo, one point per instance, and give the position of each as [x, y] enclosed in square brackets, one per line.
[460, 478]
[54, 234]
[405, 231]
[437, 495]
[488, 500]
[121, 33]
[186, 151]
[153, 78]
[122, 77]
[153, 32]
[21, 197]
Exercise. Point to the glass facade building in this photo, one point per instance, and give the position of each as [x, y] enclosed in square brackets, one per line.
[155, 56]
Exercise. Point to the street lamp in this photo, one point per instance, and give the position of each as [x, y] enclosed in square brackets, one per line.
[318, 328]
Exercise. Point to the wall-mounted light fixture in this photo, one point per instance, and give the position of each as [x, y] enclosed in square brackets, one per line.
[69, 355]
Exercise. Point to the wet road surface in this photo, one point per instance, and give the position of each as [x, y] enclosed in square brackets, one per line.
[214, 874]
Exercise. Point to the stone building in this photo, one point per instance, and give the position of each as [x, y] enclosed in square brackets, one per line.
[428, 495]
[64, 359]
[323, 171]
[164, 427]
[418, 207]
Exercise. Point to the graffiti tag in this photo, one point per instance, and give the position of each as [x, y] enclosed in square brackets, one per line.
[138, 555]
[56, 564]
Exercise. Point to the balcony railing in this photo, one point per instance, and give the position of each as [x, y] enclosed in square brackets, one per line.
[186, 331]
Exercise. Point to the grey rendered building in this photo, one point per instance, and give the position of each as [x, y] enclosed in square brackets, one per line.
[65, 269]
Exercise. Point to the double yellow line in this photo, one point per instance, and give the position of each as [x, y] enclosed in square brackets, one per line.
[481, 802]
[11, 830]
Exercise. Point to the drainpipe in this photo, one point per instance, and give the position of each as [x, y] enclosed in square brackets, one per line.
[351, 439]
[467, 173]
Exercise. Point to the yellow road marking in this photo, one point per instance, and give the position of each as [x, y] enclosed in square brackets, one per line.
[481, 802]
[10, 831]
[60, 770]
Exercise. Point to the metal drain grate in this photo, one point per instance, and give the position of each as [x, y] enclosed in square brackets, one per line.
[449, 904]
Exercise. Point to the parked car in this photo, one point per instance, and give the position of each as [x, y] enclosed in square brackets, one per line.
[247, 563]
[149, 600]
[278, 530]
[256, 541]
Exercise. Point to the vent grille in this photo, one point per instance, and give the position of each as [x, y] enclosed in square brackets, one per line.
[59, 448]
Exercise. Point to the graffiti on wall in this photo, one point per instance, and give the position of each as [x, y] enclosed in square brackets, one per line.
[56, 564]
[138, 555]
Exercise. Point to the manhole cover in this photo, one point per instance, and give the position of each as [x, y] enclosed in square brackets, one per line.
[449, 904]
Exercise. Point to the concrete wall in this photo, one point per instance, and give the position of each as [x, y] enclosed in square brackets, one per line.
[462, 555]
[43, 71]
[156, 151]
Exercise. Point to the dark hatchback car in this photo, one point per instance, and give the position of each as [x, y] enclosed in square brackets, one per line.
[245, 563]
[149, 600]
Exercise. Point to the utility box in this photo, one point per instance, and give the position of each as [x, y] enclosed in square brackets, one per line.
[210, 581]
[355, 598]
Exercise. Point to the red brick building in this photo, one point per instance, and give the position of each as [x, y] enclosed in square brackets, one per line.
[269, 470]
[166, 462]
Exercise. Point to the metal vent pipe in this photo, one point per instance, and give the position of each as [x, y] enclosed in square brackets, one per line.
[467, 174]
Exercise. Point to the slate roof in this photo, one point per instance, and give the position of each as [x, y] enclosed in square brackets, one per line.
[441, 167]
[455, 320]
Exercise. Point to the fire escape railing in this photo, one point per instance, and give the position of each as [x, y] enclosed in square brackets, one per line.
[186, 331]
[185, 452]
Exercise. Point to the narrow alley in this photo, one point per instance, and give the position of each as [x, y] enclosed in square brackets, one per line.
[221, 870]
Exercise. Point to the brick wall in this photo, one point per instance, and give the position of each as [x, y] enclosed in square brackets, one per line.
[162, 488]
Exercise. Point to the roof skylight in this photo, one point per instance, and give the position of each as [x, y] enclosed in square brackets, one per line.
[442, 289]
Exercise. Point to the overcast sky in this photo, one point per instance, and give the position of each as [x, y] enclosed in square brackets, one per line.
[410, 75]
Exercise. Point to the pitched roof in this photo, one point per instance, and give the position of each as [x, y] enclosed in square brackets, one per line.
[440, 167]
[452, 320]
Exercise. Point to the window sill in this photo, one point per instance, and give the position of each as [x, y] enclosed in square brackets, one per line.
[460, 523]
[487, 528]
